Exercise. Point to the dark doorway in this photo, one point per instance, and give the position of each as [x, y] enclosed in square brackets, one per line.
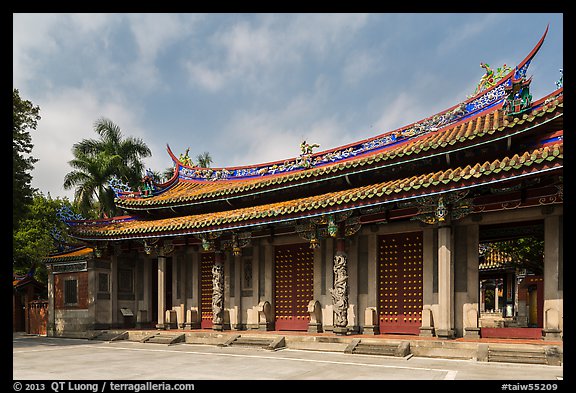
[511, 261]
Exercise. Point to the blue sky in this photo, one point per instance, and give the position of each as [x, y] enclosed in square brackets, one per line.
[248, 88]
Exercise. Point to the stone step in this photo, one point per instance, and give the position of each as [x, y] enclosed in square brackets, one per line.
[386, 350]
[250, 341]
[106, 335]
[164, 338]
[528, 356]
[401, 349]
[270, 343]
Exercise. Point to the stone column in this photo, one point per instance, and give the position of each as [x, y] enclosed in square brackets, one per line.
[145, 313]
[238, 265]
[161, 292]
[51, 323]
[445, 325]
[428, 250]
[218, 292]
[114, 291]
[340, 291]
[553, 294]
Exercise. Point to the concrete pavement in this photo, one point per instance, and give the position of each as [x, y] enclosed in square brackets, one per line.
[43, 358]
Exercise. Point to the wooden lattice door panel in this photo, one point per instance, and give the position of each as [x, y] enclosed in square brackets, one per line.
[206, 262]
[294, 286]
[400, 283]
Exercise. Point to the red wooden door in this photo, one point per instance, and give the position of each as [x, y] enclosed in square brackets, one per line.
[294, 285]
[400, 283]
[37, 311]
[206, 263]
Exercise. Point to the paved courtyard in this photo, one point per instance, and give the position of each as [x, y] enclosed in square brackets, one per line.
[43, 358]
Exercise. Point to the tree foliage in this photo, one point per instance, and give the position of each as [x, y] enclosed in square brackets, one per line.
[33, 240]
[25, 118]
[525, 252]
[96, 161]
[204, 160]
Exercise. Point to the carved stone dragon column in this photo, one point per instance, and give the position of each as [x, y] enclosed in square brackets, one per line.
[340, 291]
[218, 293]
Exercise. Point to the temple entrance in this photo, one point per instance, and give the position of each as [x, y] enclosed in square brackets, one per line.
[400, 283]
[511, 262]
[206, 262]
[294, 285]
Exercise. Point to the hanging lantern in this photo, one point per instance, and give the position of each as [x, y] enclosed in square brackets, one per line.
[332, 226]
[236, 250]
[314, 243]
[206, 244]
[147, 248]
[441, 210]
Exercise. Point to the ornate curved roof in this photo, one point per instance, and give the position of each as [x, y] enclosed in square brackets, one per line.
[544, 159]
[459, 124]
[490, 93]
[487, 126]
[476, 144]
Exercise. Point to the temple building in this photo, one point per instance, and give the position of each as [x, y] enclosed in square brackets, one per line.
[380, 236]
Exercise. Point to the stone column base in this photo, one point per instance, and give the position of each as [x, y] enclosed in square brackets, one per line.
[266, 326]
[471, 332]
[314, 328]
[161, 326]
[445, 333]
[218, 327]
[551, 334]
[340, 330]
[371, 329]
[192, 325]
[426, 331]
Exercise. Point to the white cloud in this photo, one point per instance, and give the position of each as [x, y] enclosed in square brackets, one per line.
[208, 78]
[359, 66]
[68, 118]
[459, 33]
[30, 42]
[253, 51]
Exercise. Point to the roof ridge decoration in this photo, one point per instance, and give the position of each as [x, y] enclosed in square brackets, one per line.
[491, 93]
[491, 78]
[453, 180]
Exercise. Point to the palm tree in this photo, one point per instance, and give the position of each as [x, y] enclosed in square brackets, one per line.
[204, 160]
[167, 174]
[96, 161]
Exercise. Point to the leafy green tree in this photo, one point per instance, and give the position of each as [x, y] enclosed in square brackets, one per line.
[96, 161]
[34, 240]
[90, 176]
[167, 174]
[25, 118]
[526, 252]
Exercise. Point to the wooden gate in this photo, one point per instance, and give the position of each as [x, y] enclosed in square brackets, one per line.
[294, 285]
[37, 316]
[400, 283]
[206, 262]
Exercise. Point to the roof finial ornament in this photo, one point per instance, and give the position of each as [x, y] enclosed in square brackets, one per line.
[491, 77]
[185, 158]
[305, 159]
[560, 82]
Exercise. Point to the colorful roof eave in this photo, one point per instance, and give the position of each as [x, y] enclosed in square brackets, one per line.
[477, 131]
[546, 160]
[77, 254]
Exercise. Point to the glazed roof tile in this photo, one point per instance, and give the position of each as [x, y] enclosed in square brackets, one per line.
[533, 161]
[473, 130]
[73, 255]
[495, 259]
